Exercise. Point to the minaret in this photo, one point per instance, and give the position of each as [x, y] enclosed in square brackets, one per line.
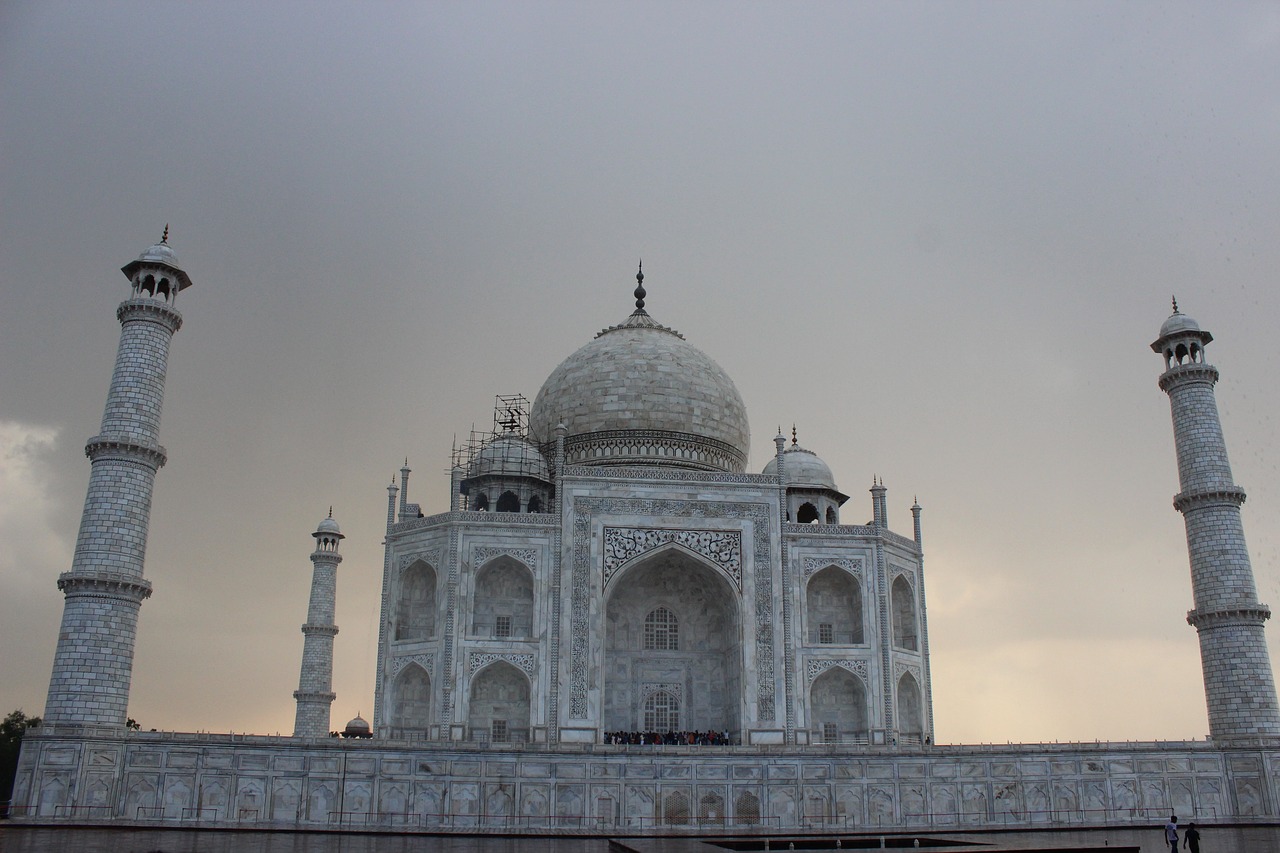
[1238, 683]
[315, 684]
[104, 590]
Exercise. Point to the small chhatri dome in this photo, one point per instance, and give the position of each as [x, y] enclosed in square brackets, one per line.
[509, 456]
[161, 254]
[803, 468]
[639, 394]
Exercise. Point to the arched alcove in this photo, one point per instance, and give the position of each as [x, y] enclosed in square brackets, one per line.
[416, 610]
[503, 605]
[838, 706]
[411, 699]
[807, 514]
[910, 708]
[833, 606]
[508, 502]
[499, 707]
[906, 634]
[480, 503]
[672, 624]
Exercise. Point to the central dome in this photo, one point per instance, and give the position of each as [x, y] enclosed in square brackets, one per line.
[639, 394]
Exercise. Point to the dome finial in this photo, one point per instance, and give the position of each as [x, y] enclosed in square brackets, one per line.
[794, 441]
[331, 510]
[640, 294]
[165, 237]
[1175, 305]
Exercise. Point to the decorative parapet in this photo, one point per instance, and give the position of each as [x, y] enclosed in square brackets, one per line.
[105, 585]
[497, 519]
[1224, 496]
[1228, 616]
[638, 472]
[102, 447]
[1188, 374]
[150, 310]
[653, 447]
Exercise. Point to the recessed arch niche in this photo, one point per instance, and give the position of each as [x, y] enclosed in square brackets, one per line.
[703, 671]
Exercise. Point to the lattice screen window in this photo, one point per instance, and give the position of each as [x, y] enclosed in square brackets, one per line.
[825, 633]
[661, 631]
[503, 627]
[830, 734]
[661, 712]
[499, 731]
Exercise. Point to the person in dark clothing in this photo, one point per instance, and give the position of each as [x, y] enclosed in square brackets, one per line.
[1191, 838]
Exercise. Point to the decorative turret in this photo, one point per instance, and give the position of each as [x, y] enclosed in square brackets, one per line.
[812, 496]
[315, 684]
[104, 591]
[1238, 681]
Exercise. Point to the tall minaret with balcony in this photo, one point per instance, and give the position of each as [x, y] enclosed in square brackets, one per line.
[104, 591]
[315, 684]
[1238, 683]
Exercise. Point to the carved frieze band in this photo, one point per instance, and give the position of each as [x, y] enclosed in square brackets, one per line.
[900, 667]
[624, 544]
[528, 556]
[852, 565]
[815, 667]
[896, 572]
[431, 558]
[585, 508]
[676, 689]
[426, 661]
[524, 662]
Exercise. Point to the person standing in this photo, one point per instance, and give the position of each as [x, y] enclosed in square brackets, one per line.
[1191, 838]
[1171, 833]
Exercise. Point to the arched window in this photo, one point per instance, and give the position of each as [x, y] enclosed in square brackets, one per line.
[833, 606]
[480, 503]
[831, 515]
[910, 716]
[808, 514]
[675, 808]
[905, 634]
[535, 504]
[838, 705]
[411, 701]
[661, 631]
[661, 712]
[503, 605]
[417, 606]
[746, 809]
[509, 502]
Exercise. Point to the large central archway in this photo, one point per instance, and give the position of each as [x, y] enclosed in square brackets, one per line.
[673, 647]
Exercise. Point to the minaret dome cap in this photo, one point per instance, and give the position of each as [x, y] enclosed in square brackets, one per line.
[161, 254]
[328, 527]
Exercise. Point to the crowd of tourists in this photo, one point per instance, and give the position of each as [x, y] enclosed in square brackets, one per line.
[707, 738]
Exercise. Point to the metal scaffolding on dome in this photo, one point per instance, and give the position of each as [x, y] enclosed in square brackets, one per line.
[510, 420]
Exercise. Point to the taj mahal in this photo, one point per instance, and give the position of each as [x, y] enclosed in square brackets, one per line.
[617, 629]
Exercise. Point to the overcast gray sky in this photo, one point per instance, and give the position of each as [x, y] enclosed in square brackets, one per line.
[938, 237]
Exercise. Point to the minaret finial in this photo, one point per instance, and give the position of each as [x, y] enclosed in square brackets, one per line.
[165, 238]
[794, 442]
[640, 294]
[331, 510]
[1175, 305]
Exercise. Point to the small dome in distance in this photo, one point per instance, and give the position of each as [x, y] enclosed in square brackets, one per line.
[358, 727]
[160, 254]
